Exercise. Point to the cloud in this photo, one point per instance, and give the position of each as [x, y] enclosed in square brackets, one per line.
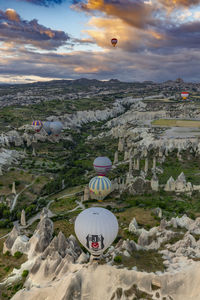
[133, 12]
[44, 2]
[135, 66]
[13, 28]
[178, 3]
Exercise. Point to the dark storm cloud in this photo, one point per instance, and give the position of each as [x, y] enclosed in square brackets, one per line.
[44, 2]
[186, 35]
[14, 29]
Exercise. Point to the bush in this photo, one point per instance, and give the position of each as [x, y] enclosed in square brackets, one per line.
[7, 269]
[25, 273]
[118, 259]
[17, 183]
[7, 253]
[18, 254]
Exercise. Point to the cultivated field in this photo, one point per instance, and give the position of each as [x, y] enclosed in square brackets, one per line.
[176, 123]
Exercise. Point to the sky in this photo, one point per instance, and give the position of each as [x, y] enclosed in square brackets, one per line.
[42, 40]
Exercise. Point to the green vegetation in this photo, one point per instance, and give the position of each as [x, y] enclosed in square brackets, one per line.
[147, 261]
[25, 273]
[9, 262]
[118, 259]
[18, 254]
[63, 205]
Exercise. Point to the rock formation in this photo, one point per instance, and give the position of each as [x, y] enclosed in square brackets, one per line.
[146, 166]
[13, 188]
[154, 183]
[170, 185]
[116, 158]
[86, 194]
[23, 218]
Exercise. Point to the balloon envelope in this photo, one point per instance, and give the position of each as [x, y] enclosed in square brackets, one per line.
[46, 127]
[37, 125]
[114, 42]
[102, 165]
[100, 187]
[96, 228]
[56, 127]
[184, 95]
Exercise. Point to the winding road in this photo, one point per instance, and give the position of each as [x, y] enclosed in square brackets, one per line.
[16, 197]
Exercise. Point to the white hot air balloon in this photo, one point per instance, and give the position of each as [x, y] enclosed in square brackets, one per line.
[46, 126]
[96, 228]
[102, 165]
[56, 127]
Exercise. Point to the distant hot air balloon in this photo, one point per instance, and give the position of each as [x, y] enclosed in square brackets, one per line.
[184, 95]
[96, 228]
[102, 165]
[100, 187]
[46, 126]
[56, 127]
[37, 125]
[114, 42]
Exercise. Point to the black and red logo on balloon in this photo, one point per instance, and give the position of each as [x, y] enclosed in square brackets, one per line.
[95, 242]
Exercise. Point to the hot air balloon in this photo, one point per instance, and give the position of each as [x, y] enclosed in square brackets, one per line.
[56, 127]
[37, 125]
[100, 187]
[114, 42]
[102, 165]
[46, 126]
[184, 95]
[96, 228]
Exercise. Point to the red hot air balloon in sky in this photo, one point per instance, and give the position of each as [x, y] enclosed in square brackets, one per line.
[114, 42]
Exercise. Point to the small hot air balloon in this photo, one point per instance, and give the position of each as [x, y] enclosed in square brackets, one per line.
[102, 165]
[96, 228]
[56, 127]
[184, 95]
[37, 125]
[46, 126]
[100, 187]
[114, 42]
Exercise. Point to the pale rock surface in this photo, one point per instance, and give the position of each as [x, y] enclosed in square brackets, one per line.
[133, 226]
[154, 183]
[41, 238]
[126, 155]
[170, 185]
[20, 244]
[105, 282]
[154, 163]
[146, 166]
[23, 218]
[157, 212]
[121, 145]
[180, 184]
[116, 160]
[86, 194]
[13, 188]
[137, 167]
[8, 244]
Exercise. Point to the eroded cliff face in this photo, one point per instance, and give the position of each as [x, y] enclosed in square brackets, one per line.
[59, 269]
[93, 281]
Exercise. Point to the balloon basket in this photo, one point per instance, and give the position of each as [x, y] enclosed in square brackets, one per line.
[95, 258]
